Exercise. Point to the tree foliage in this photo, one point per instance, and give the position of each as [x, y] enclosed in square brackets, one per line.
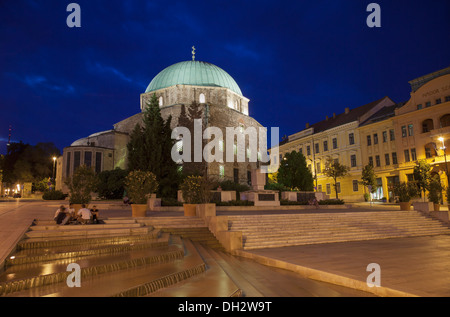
[28, 163]
[111, 184]
[335, 170]
[422, 175]
[369, 178]
[150, 148]
[294, 173]
[81, 184]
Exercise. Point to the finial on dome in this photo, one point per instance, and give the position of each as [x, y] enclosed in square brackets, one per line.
[193, 53]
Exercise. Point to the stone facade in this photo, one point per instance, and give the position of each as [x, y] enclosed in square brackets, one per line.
[215, 106]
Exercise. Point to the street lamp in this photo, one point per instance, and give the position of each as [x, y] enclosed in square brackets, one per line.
[445, 158]
[53, 171]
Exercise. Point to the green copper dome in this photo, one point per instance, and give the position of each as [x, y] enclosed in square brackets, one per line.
[193, 73]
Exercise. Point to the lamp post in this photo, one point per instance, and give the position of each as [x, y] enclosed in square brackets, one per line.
[445, 159]
[53, 170]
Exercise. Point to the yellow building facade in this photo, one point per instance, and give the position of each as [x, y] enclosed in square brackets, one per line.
[392, 137]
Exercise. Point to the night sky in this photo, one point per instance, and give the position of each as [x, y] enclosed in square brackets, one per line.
[297, 61]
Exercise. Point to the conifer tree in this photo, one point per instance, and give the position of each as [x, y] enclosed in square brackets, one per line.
[150, 148]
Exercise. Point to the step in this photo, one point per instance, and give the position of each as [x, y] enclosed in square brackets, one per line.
[27, 276]
[83, 227]
[86, 232]
[139, 281]
[218, 283]
[49, 242]
[77, 251]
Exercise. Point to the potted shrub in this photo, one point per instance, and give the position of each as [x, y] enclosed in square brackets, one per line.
[405, 192]
[435, 192]
[81, 184]
[196, 190]
[140, 185]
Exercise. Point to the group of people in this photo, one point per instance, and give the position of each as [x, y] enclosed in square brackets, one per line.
[64, 216]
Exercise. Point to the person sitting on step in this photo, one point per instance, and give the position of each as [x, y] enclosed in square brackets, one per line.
[84, 215]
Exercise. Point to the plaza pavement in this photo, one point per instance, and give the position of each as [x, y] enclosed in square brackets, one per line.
[415, 266]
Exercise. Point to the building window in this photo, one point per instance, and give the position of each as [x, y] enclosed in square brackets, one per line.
[410, 130]
[370, 160]
[445, 121]
[428, 104]
[221, 171]
[385, 138]
[427, 125]
[325, 146]
[202, 98]
[351, 138]
[249, 178]
[98, 162]
[319, 188]
[419, 107]
[438, 101]
[353, 160]
[392, 135]
[394, 158]
[300, 150]
[413, 155]
[328, 189]
[316, 147]
[308, 150]
[338, 187]
[404, 134]
[68, 164]
[407, 158]
[369, 140]
[375, 138]
[88, 158]
[335, 145]
[76, 160]
[447, 98]
[355, 185]
[318, 170]
[386, 158]
[377, 160]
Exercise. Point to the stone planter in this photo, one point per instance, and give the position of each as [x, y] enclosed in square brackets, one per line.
[405, 206]
[76, 207]
[138, 210]
[421, 206]
[190, 210]
[205, 210]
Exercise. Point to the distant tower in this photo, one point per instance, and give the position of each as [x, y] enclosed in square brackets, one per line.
[9, 137]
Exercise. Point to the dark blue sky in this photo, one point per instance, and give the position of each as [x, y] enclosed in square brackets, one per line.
[297, 61]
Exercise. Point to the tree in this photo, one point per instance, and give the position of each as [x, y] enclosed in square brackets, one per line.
[81, 184]
[150, 148]
[369, 178]
[294, 173]
[111, 184]
[422, 175]
[335, 170]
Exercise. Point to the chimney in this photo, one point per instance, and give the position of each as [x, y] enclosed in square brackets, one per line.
[334, 115]
[307, 125]
[347, 110]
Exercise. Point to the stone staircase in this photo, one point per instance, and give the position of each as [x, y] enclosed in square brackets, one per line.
[270, 231]
[120, 257]
[192, 228]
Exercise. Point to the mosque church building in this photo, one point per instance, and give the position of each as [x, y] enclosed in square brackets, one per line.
[186, 91]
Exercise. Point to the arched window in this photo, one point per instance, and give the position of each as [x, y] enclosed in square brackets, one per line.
[161, 101]
[445, 121]
[427, 125]
[430, 150]
[202, 98]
